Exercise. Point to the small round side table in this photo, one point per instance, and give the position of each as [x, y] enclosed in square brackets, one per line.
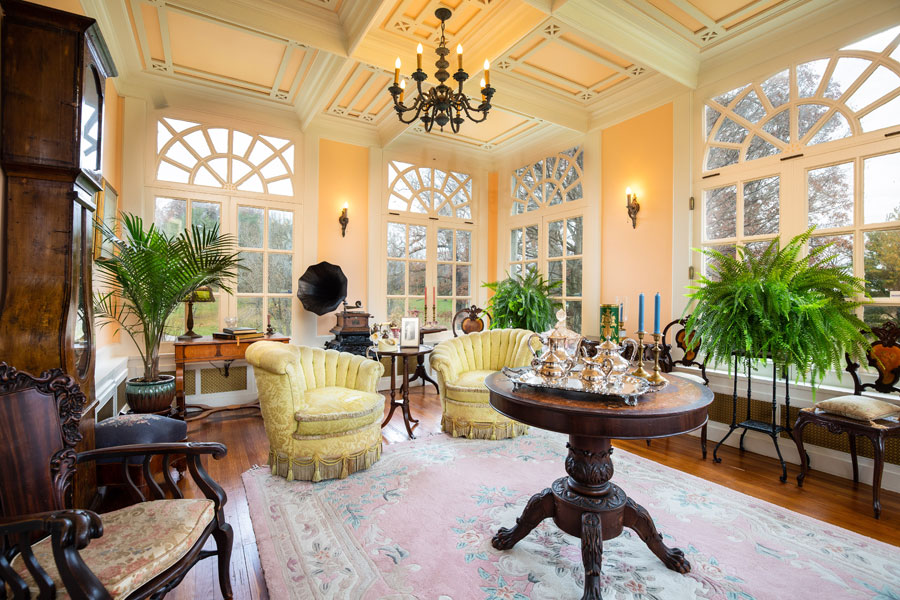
[405, 354]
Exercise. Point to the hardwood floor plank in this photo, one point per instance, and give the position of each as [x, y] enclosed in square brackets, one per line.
[823, 496]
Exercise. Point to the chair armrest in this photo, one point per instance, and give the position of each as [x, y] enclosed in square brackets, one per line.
[192, 451]
[442, 362]
[370, 371]
[70, 531]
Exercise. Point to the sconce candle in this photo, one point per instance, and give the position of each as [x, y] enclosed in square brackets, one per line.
[656, 314]
[632, 205]
[641, 312]
[344, 220]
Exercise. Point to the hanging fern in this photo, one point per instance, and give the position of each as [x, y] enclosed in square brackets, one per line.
[523, 302]
[798, 310]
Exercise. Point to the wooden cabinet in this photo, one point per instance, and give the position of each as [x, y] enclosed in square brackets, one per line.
[54, 68]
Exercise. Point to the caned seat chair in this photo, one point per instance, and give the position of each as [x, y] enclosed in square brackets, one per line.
[858, 415]
[462, 364]
[48, 549]
[320, 408]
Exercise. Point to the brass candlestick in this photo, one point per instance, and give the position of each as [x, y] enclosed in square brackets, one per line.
[655, 378]
[640, 371]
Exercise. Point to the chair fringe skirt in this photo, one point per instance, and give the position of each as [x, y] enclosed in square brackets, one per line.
[316, 468]
[482, 430]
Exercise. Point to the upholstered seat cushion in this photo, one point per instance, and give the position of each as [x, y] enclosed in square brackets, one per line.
[138, 429]
[861, 408]
[138, 543]
[333, 409]
[469, 386]
[691, 377]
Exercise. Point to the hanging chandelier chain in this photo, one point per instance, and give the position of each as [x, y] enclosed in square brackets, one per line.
[441, 104]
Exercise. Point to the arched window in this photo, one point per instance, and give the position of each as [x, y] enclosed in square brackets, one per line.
[223, 158]
[429, 191]
[550, 181]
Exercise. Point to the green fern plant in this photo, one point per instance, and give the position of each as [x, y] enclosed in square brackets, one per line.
[796, 309]
[523, 302]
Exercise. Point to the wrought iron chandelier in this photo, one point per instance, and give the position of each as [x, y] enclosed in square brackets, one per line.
[441, 104]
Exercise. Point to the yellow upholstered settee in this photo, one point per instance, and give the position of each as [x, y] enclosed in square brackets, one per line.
[462, 364]
[320, 409]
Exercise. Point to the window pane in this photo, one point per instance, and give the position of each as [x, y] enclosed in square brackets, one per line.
[555, 239]
[761, 206]
[515, 269]
[554, 273]
[515, 245]
[396, 309]
[396, 240]
[280, 278]
[463, 245]
[396, 278]
[444, 308]
[531, 241]
[573, 277]
[250, 313]
[573, 236]
[444, 279]
[175, 324]
[170, 216]
[709, 263]
[756, 248]
[721, 212]
[445, 244]
[416, 307]
[573, 315]
[882, 262]
[881, 188]
[250, 279]
[280, 313]
[281, 229]
[418, 236]
[841, 249]
[462, 280]
[206, 317]
[204, 214]
[876, 315]
[250, 227]
[830, 193]
[530, 266]
[416, 278]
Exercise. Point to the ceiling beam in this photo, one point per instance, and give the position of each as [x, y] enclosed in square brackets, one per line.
[358, 18]
[525, 98]
[326, 74]
[617, 25]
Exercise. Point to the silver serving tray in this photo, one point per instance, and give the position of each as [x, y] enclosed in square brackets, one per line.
[628, 390]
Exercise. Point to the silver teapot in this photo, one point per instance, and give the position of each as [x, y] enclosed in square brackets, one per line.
[608, 365]
[561, 356]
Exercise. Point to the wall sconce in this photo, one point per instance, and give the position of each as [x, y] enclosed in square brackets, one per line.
[633, 207]
[344, 220]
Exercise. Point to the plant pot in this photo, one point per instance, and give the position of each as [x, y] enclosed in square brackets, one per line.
[150, 396]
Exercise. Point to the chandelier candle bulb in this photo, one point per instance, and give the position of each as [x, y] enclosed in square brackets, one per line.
[459, 56]
[487, 73]
[397, 71]
[402, 89]
[419, 57]
[482, 93]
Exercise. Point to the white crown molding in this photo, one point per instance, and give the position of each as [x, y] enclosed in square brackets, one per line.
[523, 97]
[623, 29]
[343, 130]
[642, 95]
[116, 27]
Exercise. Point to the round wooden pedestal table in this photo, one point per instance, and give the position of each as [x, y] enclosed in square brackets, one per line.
[587, 504]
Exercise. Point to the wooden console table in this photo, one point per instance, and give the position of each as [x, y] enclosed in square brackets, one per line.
[206, 349]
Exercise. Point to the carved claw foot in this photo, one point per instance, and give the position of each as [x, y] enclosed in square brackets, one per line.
[539, 507]
[637, 518]
[591, 554]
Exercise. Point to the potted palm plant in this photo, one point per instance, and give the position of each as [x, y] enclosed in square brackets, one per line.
[798, 310]
[523, 302]
[145, 279]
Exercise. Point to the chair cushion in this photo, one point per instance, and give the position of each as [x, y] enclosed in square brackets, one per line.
[691, 377]
[138, 543]
[469, 387]
[333, 409]
[862, 408]
[137, 429]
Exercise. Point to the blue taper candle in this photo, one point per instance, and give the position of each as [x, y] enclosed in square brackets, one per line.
[656, 313]
[641, 312]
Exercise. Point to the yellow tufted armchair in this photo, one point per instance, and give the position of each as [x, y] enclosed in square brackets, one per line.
[462, 364]
[320, 408]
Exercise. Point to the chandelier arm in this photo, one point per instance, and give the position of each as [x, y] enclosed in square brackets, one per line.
[401, 109]
[482, 111]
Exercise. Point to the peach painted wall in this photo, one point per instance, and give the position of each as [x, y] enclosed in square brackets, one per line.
[493, 199]
[113, 141]
[344, 177]
[638, 154]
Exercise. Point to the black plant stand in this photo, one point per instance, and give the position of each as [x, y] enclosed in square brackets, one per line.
[772, 429]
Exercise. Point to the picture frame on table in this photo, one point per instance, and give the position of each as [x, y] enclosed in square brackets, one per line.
[409, 332]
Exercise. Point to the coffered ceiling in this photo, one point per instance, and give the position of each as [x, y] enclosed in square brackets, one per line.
[557, 65]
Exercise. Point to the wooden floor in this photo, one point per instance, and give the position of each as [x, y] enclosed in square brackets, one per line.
[824, 497]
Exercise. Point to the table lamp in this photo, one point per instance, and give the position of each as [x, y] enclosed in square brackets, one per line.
[202, 294]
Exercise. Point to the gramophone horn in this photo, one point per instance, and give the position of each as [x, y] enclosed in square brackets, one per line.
[322, 288]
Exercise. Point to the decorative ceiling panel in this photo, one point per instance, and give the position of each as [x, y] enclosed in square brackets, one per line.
[362, 96]
[415, 20]
[705, 22]
[557, 58]
[188, 46]
[502, 127]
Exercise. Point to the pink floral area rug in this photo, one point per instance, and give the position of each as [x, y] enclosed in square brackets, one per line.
[418, 524]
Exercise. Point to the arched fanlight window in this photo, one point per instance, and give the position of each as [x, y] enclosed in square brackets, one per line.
[550, 181]
[429, 191]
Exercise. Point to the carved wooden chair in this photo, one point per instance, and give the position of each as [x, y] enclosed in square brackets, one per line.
[675, 333]
[884, 357]
[470, 320]
[49, 549]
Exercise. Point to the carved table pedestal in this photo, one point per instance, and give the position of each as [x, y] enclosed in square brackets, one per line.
[587, 504]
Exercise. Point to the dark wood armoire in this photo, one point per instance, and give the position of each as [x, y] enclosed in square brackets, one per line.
[54, 69]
